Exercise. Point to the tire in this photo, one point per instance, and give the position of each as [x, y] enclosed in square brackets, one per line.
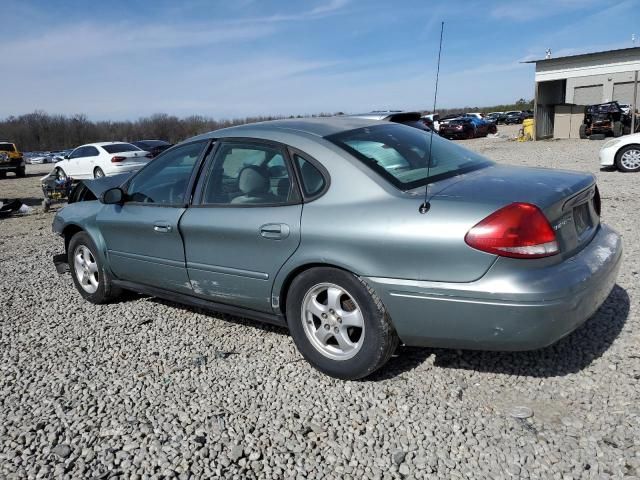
[94, 283]
[583, 132]
[617, 129]
[360, 350]
[3, 174]
[470, 134]
[98, 173]
[21, 172]
[628, 159]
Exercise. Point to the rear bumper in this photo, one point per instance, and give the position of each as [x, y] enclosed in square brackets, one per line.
[515, 306]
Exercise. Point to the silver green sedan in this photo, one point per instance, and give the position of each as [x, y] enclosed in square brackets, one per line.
[316, 225]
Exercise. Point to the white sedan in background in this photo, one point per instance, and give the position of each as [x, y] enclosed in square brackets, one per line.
[622, 152]
[96, 160]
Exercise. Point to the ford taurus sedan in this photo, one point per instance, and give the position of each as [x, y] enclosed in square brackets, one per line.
[316, 225]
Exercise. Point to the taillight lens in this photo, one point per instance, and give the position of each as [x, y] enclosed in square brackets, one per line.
[519, 230]
[117, 159]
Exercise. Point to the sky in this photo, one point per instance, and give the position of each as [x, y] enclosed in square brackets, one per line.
[125, 59]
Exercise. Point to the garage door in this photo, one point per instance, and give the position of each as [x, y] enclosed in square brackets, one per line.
[623, 92]
[587, 95]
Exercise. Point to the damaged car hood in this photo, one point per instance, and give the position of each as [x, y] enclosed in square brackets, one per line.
[87, 190]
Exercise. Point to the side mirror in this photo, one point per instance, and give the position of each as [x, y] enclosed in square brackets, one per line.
[113, 196]
[66, 157]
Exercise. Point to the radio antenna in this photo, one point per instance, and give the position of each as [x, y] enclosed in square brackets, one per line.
[424, 208]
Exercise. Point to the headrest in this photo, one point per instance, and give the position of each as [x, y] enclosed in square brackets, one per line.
[253, 180]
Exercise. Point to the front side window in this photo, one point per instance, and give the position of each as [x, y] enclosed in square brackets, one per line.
[245, 174]
[77, 153]
[164, 181]
[400, 154]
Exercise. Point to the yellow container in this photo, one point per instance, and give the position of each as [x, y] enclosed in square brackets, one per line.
[528, 128]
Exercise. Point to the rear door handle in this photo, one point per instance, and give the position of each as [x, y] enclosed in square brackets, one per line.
[161, 227]
[274, 231]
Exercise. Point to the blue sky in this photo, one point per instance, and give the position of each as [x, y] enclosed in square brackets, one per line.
[126, 59]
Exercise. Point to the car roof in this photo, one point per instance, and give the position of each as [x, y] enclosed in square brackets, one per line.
[100, 144]
[319, 126]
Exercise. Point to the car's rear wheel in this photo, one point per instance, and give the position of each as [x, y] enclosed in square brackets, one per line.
[89, 275]
[628, 159]
[583, 132]
[339, 324]
[98, 173]
[617, 129]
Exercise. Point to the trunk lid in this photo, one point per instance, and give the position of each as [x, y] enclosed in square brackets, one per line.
[569, 200]
[137, 157]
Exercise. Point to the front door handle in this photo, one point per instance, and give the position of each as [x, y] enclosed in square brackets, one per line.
[274, 231]
[161, 227]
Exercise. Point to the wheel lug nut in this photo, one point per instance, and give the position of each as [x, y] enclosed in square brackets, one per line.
[336, 330]
[331, 311]
[326, 326]
[339, 320]
[324, 315]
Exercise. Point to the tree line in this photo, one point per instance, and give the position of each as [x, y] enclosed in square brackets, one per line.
[40, 131]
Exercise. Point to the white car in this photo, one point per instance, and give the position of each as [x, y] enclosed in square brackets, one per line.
[622, 152]
[435, 119]
[96, 160]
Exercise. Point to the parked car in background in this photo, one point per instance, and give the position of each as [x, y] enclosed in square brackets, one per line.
[458, 128]
[96, 160]
[444, 120]
[483, 125]
[11, 160]
[498, 117]
[412, 119]
[243, 220]
[432, 121]
[622, 152]
[154, 147]
[513, 117]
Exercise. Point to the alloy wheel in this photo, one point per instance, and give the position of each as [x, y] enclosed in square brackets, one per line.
[86, 269]
[333, 321]
[631, 159]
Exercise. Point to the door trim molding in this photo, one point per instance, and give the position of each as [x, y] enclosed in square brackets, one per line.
[228, 271]
[146, 258]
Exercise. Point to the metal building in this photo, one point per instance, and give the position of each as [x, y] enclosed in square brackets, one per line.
[564, 85]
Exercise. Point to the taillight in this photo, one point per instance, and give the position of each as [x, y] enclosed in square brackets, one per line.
[117, 159]
[519, 230]
[149, 155]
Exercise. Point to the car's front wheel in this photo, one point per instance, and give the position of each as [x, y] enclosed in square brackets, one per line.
[98, 173]
[339, 324]
[89, 275]
[628, 159]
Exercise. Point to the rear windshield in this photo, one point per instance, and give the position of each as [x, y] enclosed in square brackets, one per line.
[120, 147]
[7, 147]
[400, 153]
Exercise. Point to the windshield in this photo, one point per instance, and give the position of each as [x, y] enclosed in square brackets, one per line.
[7, 147]
[400, 153]
[120, 147]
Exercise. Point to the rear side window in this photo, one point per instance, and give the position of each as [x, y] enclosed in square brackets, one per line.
[120, 147]
[400, 154]
[313, 181]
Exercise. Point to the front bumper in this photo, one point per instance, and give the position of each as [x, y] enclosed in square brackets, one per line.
[12, 164]
[608, 156]
[515, 306]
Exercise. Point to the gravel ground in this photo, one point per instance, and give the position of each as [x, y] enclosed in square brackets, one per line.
[149, 389]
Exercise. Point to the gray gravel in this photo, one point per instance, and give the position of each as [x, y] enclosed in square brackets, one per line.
[148, 389]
